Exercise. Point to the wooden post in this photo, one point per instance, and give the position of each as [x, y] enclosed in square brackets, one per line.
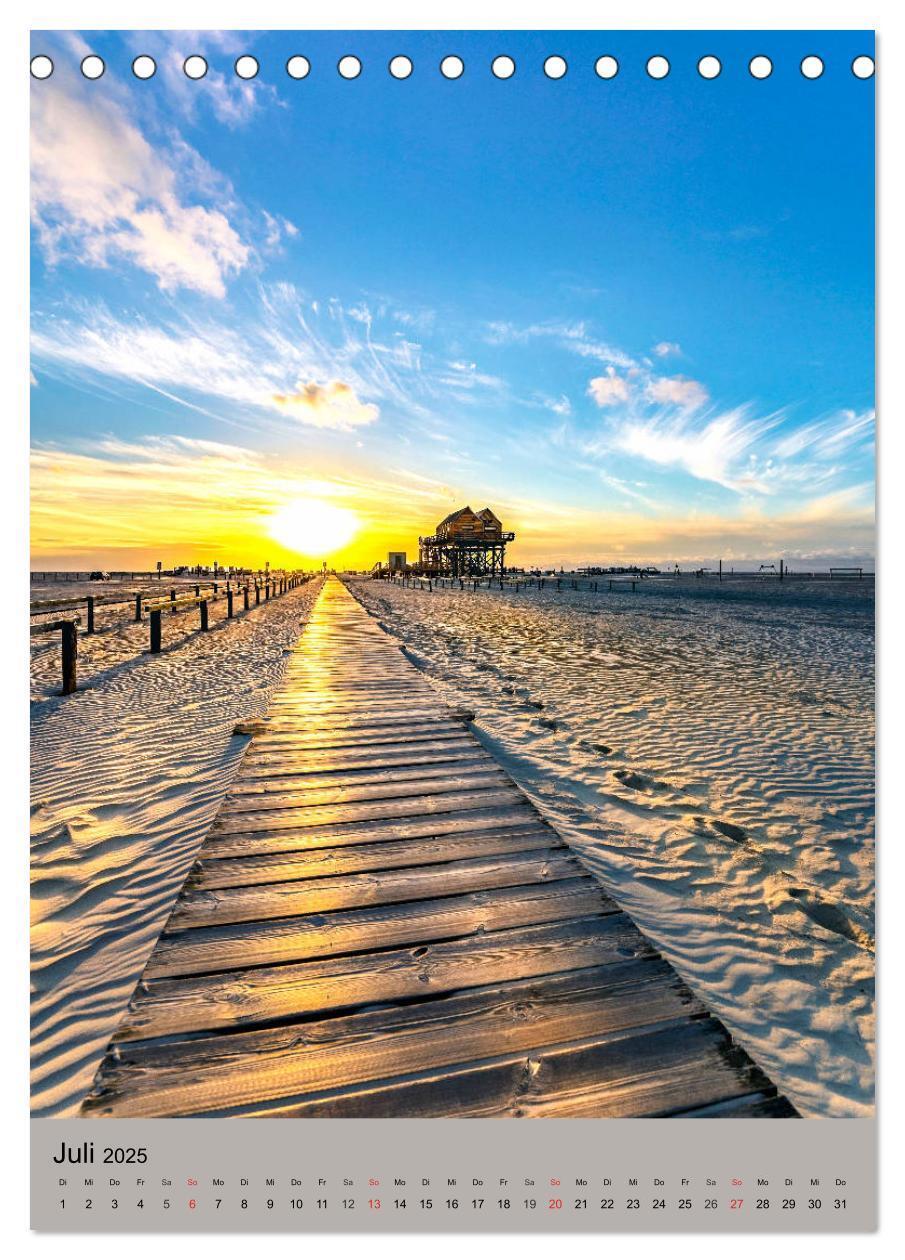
[215, 588]
[781, 570]
[138, 607]
[70, 653]
[267, 590]
[257, 594]
[89, 629]
[155, 629]
[202, 608]
[245, 596]
[197, 591]
[173, 596]
[229, 604]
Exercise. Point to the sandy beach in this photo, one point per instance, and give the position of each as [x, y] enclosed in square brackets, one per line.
[127, 775]
[709, 750]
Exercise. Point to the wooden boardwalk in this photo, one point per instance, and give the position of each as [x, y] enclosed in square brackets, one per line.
[381, 924]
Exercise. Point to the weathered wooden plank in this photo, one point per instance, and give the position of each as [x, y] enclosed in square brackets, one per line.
[260, 903]
[436, 825]
[389, 790]
[229, 820]
[331, 761]
[201, 950]
[390, 855]
[299, 723]
[759, 1106]
[162, 1008]
[435, 738]
[654, 1072]
[185, 1078]
[368, 779]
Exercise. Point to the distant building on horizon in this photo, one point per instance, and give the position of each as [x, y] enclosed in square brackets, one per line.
[396, 561]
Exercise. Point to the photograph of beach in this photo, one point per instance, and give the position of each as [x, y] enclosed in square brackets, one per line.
[452, 602]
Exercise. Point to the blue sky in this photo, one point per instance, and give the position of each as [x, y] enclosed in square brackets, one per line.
[634, 316]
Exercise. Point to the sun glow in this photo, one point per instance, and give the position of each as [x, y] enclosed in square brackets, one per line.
[313, 527]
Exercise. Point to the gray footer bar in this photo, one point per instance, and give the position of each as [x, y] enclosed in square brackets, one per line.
[444, 1176]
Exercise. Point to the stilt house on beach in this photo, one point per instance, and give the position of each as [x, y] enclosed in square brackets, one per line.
[465, 544]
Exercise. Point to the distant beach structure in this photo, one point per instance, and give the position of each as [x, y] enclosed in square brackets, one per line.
[465, 544]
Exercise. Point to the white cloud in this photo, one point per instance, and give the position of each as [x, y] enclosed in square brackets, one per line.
[331, 406]
[666, 348]
[573, 337]
[830, 437]
[679, 391]
[209, 360]
[231, 100]
[101, 191]
[712, 452]
[609, 390]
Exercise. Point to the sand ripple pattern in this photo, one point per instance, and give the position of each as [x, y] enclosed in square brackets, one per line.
[127, 776]
[711, 753]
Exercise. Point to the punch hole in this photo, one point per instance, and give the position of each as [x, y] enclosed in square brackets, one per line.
[710, 67]
[863, 67]
[606, 67]
[195, 67]
[298, 67]
[401, 67]
[92, 66]
[41, 67]
[349, 67]
[812, 67]
[657, 67]
[502, 67]
[760, 67]
[452, 67]
[247, 67]
[144, 67]
[555, 67]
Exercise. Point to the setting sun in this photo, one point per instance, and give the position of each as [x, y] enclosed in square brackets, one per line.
[312, 527]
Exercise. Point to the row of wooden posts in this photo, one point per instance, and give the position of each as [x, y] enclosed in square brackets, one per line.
[271, 587]
[512, 584]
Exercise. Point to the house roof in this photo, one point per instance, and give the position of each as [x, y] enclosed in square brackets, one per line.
[454, 516]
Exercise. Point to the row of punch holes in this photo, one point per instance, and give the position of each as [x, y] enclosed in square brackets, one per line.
[451, 67]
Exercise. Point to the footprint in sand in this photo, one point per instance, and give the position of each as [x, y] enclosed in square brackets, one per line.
[831, 916]
[640, 782]
[707, 827]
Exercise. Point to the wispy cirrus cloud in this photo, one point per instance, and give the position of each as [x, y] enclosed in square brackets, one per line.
[574, 336]
[259, 369]
[829, 437]
[717, 450]
[232, 101]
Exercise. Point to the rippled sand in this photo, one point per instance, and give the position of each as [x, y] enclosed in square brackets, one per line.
[709, 749]
[127, 775]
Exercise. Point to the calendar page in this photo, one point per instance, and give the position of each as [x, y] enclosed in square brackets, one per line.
[452, 630]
